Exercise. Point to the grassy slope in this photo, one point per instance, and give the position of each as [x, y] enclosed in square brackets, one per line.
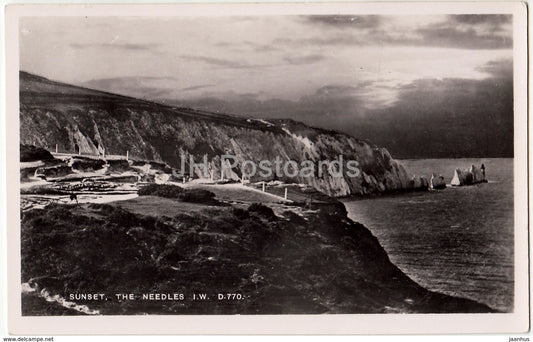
[319, 263]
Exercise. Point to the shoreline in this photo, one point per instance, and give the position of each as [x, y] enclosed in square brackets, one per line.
[473, 225]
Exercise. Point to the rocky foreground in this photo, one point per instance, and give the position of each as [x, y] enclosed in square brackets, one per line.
[278, 258]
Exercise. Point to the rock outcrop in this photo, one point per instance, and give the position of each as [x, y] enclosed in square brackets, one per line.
[437, 182]
[53, 171]
[79, 119]
[419, 183]
[470, 176]
[477, 174]
[30, 153]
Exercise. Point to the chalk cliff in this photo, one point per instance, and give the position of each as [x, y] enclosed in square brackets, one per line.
[80, 119]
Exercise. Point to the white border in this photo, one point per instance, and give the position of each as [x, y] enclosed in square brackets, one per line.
[518, 321]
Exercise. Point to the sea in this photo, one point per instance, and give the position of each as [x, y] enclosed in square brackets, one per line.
[459, 240]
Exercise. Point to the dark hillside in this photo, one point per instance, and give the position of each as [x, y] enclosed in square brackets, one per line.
[280, 263]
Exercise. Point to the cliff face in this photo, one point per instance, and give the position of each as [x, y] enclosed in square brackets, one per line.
[76, 118]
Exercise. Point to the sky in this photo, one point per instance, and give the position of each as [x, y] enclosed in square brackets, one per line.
[347, 68]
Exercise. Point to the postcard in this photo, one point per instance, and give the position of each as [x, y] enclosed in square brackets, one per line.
[292, 168]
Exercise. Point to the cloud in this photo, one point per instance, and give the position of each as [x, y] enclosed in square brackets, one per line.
[502, 68]
[126, 81]
[309, 59]
[145, 87]
[260, 48]
[248, 46]
[339, 90]
[121, 46]
[345, 39]
[201, 86]
[449, 117]
[493, 19]
[475, 31]
[224, 63]
[352, 21]
[452, 31]
[149, 93]
[448, 35]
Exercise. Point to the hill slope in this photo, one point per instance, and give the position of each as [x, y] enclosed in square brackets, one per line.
[289, 260]
[78, 118]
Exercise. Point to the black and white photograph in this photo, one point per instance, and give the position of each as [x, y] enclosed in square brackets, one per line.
[296, 163]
